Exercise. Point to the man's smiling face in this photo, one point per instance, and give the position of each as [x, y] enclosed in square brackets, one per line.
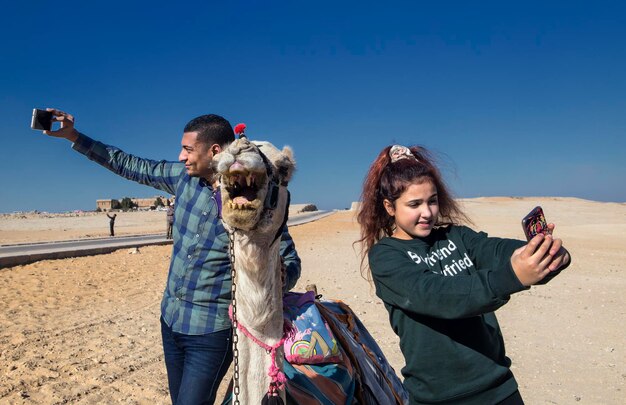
[196, 156]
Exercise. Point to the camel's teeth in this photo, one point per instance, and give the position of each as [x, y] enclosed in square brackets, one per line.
[248, 178]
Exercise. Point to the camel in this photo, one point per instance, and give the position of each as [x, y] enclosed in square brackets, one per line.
[254, 196]
[254, 207]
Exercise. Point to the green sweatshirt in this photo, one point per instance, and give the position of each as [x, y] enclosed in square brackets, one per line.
[441, 292]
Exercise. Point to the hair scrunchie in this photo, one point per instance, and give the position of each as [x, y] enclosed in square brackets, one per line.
[399, 152]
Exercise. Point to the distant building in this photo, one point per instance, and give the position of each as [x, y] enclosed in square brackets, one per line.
[104, 205]
[143, 204]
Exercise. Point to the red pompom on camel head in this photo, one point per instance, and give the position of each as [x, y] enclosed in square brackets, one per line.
[240, 130]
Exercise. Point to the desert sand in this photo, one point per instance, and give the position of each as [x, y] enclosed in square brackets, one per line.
[86, 330]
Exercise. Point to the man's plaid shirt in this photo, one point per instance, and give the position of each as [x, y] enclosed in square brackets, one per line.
[198, 290]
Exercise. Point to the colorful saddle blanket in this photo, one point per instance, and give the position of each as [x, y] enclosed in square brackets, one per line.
[359, 375]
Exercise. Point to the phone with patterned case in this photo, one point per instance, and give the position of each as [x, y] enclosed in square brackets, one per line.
[535, 223]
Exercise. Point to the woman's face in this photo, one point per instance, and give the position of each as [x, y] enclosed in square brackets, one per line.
[415, 212]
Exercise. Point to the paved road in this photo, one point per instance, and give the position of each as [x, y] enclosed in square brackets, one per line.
[308, 217]
[13, 255]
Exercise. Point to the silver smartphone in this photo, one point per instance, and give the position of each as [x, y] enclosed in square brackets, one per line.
[42, 120]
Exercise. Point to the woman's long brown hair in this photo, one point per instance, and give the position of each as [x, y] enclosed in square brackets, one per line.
[387, 180]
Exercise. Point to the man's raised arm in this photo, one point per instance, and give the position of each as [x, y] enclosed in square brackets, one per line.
[159, 174]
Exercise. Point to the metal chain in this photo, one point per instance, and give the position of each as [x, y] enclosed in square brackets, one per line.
[233, 290]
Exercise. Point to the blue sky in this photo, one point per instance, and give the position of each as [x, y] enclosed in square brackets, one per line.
[518, 99]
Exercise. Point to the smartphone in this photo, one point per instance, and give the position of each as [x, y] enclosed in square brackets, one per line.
[534, 223]
[42, 120]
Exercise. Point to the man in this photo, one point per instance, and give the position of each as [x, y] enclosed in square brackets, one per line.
[170, 220]
[195, 326]
[112, 223]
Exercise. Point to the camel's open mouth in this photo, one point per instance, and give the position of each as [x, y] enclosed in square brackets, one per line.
[242, 187]
[249, 198]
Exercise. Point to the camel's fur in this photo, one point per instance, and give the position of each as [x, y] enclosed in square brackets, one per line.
[259, 306]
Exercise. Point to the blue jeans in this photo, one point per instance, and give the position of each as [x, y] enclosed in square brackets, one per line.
[195, 364]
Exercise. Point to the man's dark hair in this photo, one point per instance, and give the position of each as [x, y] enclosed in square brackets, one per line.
[211, 129]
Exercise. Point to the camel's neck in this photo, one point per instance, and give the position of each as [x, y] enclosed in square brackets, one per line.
[258, 285]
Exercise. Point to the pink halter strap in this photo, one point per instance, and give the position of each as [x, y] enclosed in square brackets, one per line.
[278, 378]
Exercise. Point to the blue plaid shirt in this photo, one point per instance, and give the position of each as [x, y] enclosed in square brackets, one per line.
[198, 290]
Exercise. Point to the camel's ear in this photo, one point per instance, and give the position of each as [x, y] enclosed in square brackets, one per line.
[285, 164]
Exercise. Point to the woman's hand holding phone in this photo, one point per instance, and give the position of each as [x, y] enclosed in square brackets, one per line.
[531, 262]
[543, 254]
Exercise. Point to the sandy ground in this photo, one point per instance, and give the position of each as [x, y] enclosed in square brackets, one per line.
[86, 330]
